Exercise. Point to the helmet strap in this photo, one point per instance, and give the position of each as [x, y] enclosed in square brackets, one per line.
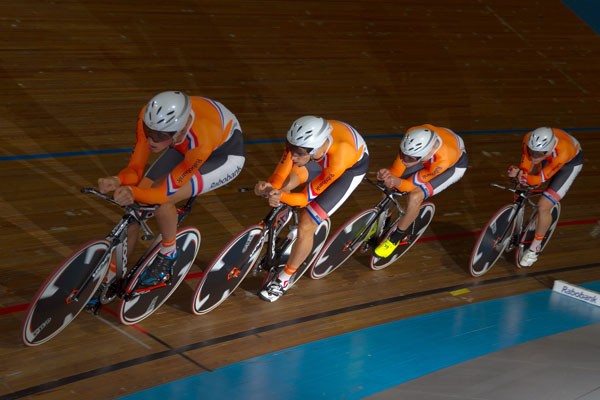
[179, 137]
[329, 142]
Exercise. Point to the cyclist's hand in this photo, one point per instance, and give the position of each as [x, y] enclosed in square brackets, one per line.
[523, 178]
[513, 171]
[388, 178]
[262, 188]
[108, 184]
[124, 196]
[274, 198]
[382, 174]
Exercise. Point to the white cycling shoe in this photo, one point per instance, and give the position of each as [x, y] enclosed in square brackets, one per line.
[528, 258]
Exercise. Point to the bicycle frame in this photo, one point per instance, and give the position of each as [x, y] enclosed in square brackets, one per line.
[514, 229]
[390, 198]
[270, 236]
[117, 238]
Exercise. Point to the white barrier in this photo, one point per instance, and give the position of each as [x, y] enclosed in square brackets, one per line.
[577, 292]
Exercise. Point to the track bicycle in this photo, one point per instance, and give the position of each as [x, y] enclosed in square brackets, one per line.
[508, 229]
[243, 254]
[81, 277]
[367, 229]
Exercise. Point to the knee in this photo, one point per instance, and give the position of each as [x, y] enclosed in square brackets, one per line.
[306, 227]
[415, 198]
[544, 206]
[165, 208]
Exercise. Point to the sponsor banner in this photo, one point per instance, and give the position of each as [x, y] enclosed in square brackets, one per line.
[577, 292]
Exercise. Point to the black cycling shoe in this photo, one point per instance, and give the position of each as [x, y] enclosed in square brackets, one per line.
[159, 271]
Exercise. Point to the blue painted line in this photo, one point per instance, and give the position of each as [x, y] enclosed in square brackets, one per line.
[368, 361]
[587, 10]
[253, 142]
[64, 154]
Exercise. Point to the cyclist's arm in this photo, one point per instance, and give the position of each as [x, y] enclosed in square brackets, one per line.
[526, 164]
[338, 163]
[134, 172]
[397, 170]
[282, 170]
[313, 189]
[547, 172]
[180, 175]
[437, 167]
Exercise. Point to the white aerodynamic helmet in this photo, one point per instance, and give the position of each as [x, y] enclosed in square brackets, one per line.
[309, 132]
[168, 112]
[418, 142]
[542, 139]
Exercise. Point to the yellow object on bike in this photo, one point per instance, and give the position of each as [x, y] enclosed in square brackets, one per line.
[386, 248]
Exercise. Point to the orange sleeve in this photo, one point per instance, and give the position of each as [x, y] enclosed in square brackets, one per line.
[398, 167]
[183, 172]
[282, 170]
[397, 170]
[134, 172]
[430, 171]
[525, 160]
[537, 177]
[340, 160]
[548, 171]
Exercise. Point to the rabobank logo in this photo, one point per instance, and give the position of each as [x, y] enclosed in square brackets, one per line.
[579, 294]
[576, 292]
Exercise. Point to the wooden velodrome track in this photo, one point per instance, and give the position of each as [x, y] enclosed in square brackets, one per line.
[75, 73]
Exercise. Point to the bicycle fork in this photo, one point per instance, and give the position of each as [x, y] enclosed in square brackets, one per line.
[376, 226]
[510, 237]
[116, 239]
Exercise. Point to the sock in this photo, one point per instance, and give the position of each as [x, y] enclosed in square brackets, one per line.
[537, 243]
[168, 248]
[397, 235]
[287, 273]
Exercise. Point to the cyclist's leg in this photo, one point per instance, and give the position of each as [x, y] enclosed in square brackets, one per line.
[155, 177]
[323, 207]
[166, 215]
[416, 198]
[413, 204]
[556, 190]
[544, 218]
[438, 184]
[318, 210]
[307, 227]
[328, 202]
[222, 166]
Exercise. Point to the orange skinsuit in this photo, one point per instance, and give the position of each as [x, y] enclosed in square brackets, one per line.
[566, 148]
[446, 156]
[211, 127]
[347, 148]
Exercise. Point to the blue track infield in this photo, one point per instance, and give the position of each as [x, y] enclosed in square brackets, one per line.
[371, 360]
[587, 10]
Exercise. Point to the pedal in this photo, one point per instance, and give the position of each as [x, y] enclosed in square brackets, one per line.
[93, 306]
[259, 268]
[108, 292]
[368, 245]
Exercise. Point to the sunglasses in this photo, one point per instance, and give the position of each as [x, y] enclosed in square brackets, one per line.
[408, 159]
[157, 136]
[297, 150]
[536, 154]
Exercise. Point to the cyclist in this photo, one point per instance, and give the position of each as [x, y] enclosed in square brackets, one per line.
[333, 158]
[202, 149]
[430, 159]
[549, 155]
